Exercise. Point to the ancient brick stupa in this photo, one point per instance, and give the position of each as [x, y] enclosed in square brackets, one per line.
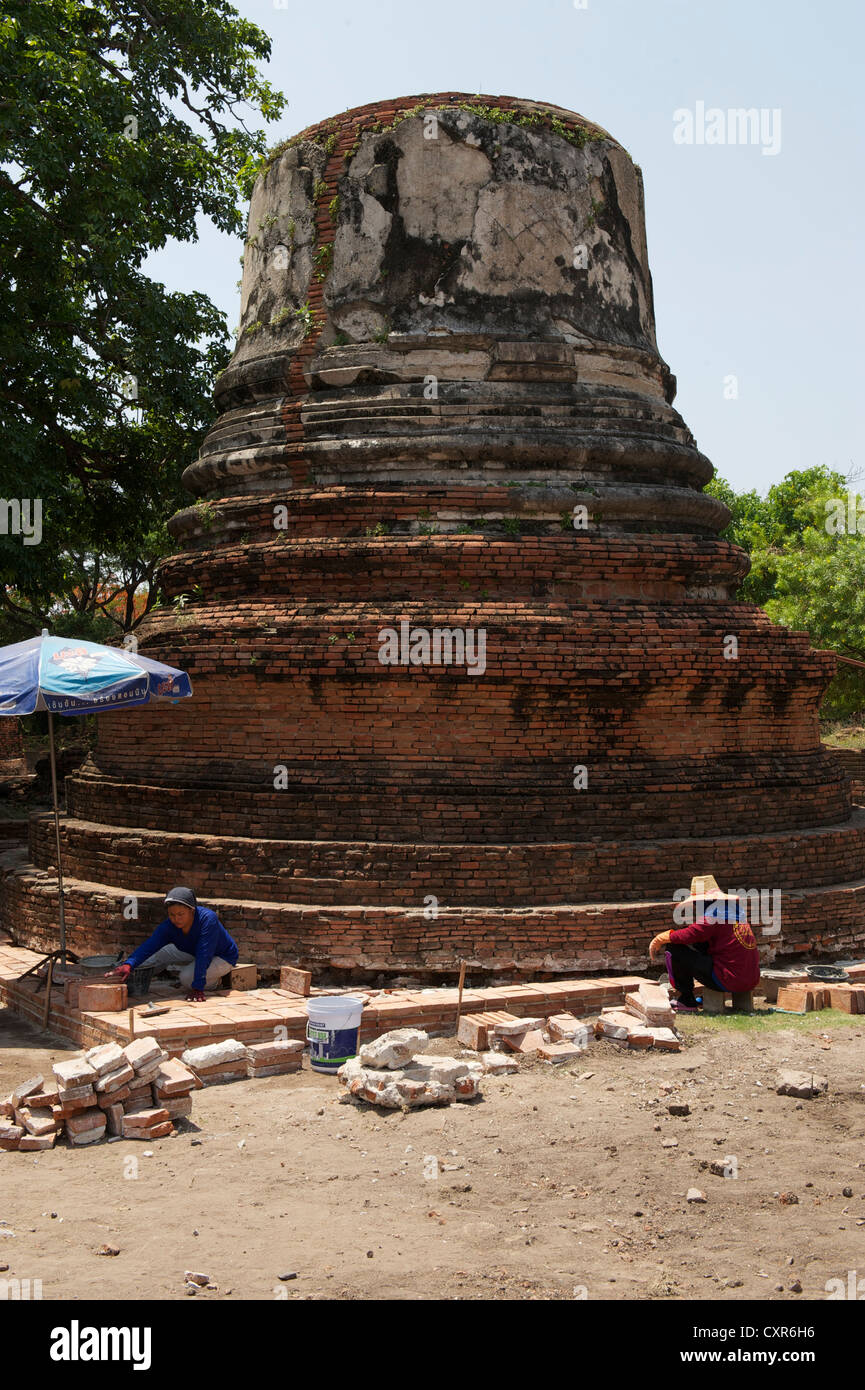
[470, 678]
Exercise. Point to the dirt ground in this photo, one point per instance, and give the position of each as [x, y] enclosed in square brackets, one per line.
[555, 1185]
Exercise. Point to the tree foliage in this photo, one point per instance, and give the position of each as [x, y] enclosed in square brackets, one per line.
[121, 123]
[806, 540]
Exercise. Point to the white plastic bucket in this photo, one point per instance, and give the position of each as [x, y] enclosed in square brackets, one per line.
[331, 1031]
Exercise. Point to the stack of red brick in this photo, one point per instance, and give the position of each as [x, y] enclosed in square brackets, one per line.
[134, 1092]
[559, 1038]
[801, 999]
[230, 1060]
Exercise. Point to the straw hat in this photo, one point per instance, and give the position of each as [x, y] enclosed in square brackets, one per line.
[705, 887]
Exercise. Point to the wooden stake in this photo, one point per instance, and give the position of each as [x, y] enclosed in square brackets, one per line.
[462, 982]
[131, 1023]
[48, 981]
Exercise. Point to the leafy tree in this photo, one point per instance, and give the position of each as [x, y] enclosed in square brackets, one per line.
[808, 566]
[121, 122]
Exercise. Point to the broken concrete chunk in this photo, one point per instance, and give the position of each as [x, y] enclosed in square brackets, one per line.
[804, 1084]
[421, 1085]
[394, 1049]
[446, 1070]
[267, 1052]
[499, 1063]
[215, 1054]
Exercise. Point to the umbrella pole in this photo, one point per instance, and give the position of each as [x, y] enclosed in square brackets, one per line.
[57, 835]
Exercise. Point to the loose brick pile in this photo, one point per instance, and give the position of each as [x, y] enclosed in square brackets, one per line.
[651, 1004]
[621, 1026]
[133, 1092]
[562, 1037]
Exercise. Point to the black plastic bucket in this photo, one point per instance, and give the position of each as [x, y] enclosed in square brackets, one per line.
[139, 980]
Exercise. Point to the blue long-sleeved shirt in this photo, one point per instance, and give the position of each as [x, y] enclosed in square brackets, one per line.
[205, 939]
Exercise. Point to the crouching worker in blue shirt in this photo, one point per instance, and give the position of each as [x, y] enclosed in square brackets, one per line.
[190, 936]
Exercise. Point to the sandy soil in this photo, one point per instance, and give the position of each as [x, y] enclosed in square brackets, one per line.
[550, 1184]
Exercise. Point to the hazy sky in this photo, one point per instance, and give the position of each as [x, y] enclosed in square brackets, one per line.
[756, 258]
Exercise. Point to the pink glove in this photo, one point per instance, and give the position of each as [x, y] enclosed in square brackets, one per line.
[121, 972]
[196, 996]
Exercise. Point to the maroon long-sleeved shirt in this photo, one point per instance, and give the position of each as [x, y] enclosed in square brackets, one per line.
[732, 946]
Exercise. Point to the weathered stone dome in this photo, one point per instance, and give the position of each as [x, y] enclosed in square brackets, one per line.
[447, 412]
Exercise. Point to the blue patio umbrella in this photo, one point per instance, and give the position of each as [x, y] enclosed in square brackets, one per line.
[65, 675]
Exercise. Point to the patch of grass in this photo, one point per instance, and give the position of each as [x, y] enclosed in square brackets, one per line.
[766, 1021]
[845, 735]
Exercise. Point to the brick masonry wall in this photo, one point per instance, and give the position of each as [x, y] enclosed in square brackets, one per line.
[852, 760]
[512, 943]
[320, 872]
[315, 795]
[12, 761]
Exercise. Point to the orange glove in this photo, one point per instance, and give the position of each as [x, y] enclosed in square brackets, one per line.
[657, 944]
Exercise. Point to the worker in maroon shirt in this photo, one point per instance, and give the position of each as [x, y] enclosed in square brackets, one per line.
[719, 949]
